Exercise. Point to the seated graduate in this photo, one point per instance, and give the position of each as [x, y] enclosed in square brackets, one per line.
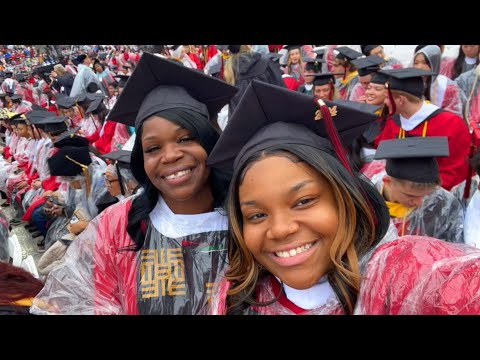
[158, 252]
[295, 244]
[410, 185]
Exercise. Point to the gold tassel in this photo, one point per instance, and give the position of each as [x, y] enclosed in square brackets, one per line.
[86, 173]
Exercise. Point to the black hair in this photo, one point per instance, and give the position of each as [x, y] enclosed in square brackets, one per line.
[207, 135]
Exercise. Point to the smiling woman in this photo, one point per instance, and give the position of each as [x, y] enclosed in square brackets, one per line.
[296, 245]
[161, 252]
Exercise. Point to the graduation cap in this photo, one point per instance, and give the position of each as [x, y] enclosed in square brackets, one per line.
[95, 105]
[254, 123]
[413, 158]
[38, 116]
[379, 78]
[275, 57]
[157, 84]
[233, 48]
[292, 47]
[79, 59]
[20, 77]
[67, 160]
[122, 160]
[122, 157]
[345, 53]
[65, 102]
[16, 119]
[16, 97]
[408, 80]
[69, 138]
[320, 53]
[367, 65]
[367, 48]
[324, 79]
[122, 80]
[313, 64]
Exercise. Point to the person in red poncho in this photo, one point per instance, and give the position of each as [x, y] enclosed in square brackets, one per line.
[414, 117]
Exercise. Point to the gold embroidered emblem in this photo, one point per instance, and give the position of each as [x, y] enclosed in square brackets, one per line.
[333, 112]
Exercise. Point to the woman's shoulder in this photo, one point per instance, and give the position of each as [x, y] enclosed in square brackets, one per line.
[416, 275]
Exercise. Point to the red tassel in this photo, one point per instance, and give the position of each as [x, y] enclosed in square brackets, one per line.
[392, 108]
[339, 150]
[333, 135]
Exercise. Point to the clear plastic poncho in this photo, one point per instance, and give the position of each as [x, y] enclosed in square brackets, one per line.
[170, 275]
[440, 216]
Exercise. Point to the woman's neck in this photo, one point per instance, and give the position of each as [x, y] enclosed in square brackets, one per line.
[200, 203]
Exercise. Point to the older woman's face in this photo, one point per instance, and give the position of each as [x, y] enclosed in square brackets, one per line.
[289, 225]
[112, 182]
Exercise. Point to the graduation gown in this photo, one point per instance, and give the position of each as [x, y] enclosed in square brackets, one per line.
[168, 276]
[453, 169]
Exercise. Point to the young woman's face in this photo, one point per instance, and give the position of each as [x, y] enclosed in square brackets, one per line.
[294, 56]
[288, 225]
[22, 130]
[421, 63]
[111, 90]
[174, 161]
[322, 91]
[376, 94]
[68, 112]
[308, 77]
[98, 68]
[471, 51]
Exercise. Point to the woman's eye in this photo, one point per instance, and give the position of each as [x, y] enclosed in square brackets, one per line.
[256, 217]
[151, 149]
[304, 202]
[185, 139]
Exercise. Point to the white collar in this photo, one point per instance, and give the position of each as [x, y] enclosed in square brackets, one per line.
[308, 87]
[470, 61]
[312, 298]
[177, 225]
[425, 111]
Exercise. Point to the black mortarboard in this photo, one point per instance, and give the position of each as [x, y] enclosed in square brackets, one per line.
[38, 116]
[320, 53]
[275, 57]
[233, 48]
[367, 48]
[20, 77]
[65, 102]
[69, 138]
[408, 80]
[379, 78]
[346, 53]
[95, 105]
[221, 47]
[15, 97]
[18, 119]
[413, 158]
[79, 59]
[265, 104]
[367, 65]
[323, 79]
[122, 80]
[158, 84]
[121, 156]
[313, 64]
[61, 166]
[292, 47]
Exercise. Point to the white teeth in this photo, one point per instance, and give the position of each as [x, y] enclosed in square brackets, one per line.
[294, 252]
[178, 174]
